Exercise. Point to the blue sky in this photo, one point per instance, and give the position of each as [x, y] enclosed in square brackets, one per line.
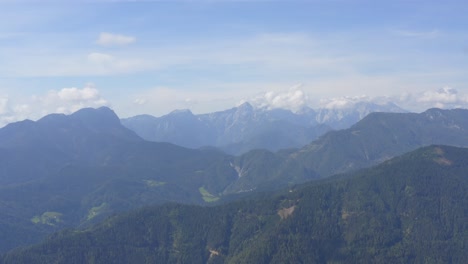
[155, 56]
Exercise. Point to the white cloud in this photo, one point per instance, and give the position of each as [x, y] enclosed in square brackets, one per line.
[10, 112]
[140, 101]
[446, 97]
[106, 64]
[293, 99]
[159, 101]
[100, 58]
[80, 64]
[442, 95]
[346, 102]
[73, 94]
[339, 102]
[3, 105]
[109, 39]
[66, 100]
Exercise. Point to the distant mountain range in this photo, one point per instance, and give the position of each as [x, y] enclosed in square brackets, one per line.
[410, 209]
[245, 127]
[67, 171]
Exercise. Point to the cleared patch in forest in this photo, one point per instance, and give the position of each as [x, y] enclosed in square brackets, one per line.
[286, 212]
[207, 196]
[47, 218]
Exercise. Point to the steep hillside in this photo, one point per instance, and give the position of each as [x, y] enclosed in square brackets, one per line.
[411, 209]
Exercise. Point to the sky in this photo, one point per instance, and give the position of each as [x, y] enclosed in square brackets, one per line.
[152, 57]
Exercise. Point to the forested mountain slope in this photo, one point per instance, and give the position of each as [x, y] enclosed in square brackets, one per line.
[410, 209]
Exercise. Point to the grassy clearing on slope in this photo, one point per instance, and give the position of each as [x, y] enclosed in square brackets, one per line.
[207, 197]
[47, 218]
[95, 211]
[151, 183]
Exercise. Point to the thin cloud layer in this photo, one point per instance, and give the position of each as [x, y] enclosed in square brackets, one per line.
[297, 97]
[68, 100]
[109, 39]
[165, 100]
[106, 64]
[100, 58]
[418, 34]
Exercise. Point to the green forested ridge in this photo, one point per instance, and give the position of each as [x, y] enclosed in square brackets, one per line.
[410, 209]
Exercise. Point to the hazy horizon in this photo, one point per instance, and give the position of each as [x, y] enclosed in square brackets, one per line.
[152, 57]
